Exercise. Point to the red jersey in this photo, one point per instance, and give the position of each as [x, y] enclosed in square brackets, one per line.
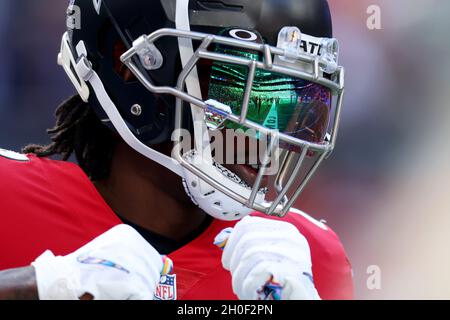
[52, 205]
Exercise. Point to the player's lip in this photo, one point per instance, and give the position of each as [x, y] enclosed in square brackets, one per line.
[248, 173]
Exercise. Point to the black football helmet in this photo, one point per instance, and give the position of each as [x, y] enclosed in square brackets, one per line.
[153, 70]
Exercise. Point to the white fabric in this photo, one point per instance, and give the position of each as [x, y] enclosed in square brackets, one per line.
[258, 249]
[135, 277]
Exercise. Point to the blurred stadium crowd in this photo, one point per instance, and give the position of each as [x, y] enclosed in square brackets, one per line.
[386, 189]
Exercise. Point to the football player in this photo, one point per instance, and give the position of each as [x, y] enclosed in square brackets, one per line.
[151, 211]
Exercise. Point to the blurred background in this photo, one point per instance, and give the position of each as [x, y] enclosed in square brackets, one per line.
[385, 191]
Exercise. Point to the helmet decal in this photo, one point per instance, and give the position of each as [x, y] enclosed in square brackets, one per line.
[97, 5]
[245, 35]
[73, 20]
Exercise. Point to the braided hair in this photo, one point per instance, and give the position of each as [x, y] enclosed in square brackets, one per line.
[79, 131]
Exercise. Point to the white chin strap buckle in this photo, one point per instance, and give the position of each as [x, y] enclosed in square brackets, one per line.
[84, 68]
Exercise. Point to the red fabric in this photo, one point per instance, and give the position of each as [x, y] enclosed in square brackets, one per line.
[48, 204]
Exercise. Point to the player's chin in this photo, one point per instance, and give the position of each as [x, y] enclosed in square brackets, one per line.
[248, 174]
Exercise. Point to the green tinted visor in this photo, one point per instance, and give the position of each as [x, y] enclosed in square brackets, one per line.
[293, 106]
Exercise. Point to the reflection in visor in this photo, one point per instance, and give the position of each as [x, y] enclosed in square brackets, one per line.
[293, 106]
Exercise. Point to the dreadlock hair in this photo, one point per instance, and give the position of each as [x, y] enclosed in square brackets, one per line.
[79, 131]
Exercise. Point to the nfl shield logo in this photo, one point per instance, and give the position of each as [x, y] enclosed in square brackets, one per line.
[167, 288]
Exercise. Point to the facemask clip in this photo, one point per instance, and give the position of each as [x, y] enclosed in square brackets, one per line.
[216, 114]
[151, 58]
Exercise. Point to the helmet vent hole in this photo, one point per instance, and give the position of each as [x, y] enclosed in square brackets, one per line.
[121, 69]
[218, 203]
[209, 193]
[102, 41]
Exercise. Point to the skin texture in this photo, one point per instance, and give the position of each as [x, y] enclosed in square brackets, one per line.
[149, 195]
[18, 284]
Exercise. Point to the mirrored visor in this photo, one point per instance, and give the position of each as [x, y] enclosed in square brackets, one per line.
[293, 106]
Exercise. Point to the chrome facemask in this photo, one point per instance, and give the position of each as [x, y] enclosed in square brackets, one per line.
[297, 56]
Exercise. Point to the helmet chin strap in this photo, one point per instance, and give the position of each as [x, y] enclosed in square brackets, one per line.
[185, 45]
